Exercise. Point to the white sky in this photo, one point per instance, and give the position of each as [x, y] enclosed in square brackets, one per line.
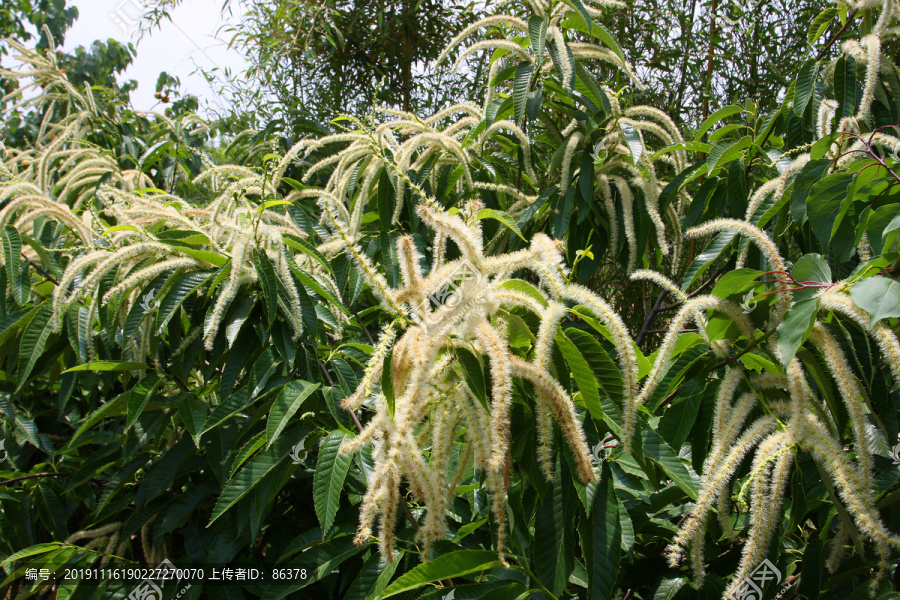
[188, 42]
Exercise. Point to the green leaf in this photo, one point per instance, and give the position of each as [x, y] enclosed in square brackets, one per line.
[810, 267]
[140, 396]
[217, 260]
[114, 408]
[34, 340]
[820, 24]
[331, 470]
[526, 288]
[446, 566]
[372, 579]
[811, 174]
[499, 215]
[706, 258]
[109, 365]
[669, 587]
[193, 411]
[795, 328]
[735, 281]
[30, 551]
[473, 373]
[845, 86]
[804, 85]
[663, 455]
[879, 296]
[246, 451]
[635, 143]
[286, 404]
[12, 251]
[601, 535]
[521, 83]
[726, 151]
[604, 369]
[184, 286]
[714, 118]
[306, 248]
[537, 33]
[825, 205]
[591, 27]
[260, 465]
[268, 281]
[553, 536]
[675, 425]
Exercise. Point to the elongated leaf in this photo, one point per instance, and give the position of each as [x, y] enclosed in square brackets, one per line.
[714, 118]
[845, 86]
[331, 469]
[669, 587]
[216, 260]
[109, 365]
[286, 404]
[520, 88]
[663, 455]
[140, 396]
[591, 27]
[553, 540]
[820, 24]
[804, 85]
[811, 173]
[12, 251]
[499, 215]
[247, 478]
[34, 340]
[233, 404]
[537, 33]
[372, 579]
[601, 535]
[446, 566]
[705, 259]
[824, 205]
[726, 151]
[193, 412]
[246, 451]
[184, 286]
[268, 282]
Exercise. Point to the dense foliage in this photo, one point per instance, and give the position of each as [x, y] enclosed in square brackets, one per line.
[548, 344]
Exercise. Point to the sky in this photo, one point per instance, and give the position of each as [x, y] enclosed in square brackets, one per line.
[191, 40]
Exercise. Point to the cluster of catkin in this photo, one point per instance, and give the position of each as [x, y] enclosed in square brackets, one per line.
[113, 217]
[433, 407]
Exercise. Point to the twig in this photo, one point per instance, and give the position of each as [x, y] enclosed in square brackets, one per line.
[33, 476]
[365, 330]
[645, 329]
[40, 270]
[831, 42]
